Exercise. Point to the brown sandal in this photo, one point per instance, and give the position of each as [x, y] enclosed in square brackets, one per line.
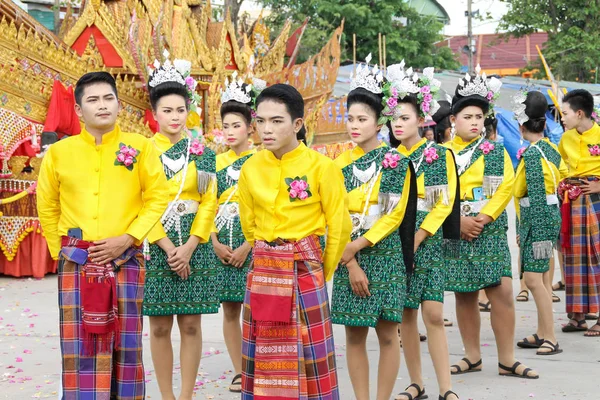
[593, 332]
[523, 297]
[236, 381]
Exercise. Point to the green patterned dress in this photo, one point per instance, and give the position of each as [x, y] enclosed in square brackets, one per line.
[539, 224]
[428, 280]
[384, 263]
[231, 280]
[165, 293]
[484, 261]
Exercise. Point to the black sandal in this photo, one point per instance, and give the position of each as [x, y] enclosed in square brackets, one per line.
[572, 328]
[448, 393]
[422, 337]
[513, 371]
[485, 307]
[526, 344]
[555, 298]
[233, 382]
[591, 317]
[420, 393]
[558, 286]
[549, 345]
[470, 367]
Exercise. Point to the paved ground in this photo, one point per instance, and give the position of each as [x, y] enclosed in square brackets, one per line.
[29, 354]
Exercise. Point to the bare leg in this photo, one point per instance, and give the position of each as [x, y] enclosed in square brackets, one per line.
[389, 358]
[469, 324]
[503, 323]
[543, 302]
[411, 346]
[190, 352]
[162, 354]
[433, 316]
[358, 362]
[232, 332]
[483, 297]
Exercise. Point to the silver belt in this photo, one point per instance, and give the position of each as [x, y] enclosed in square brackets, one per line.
[185, 207]
[366, 222]
[551, 200]
[423, 205]
[228, 210]
[471, 207]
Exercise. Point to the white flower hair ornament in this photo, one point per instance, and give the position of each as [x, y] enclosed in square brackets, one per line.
[177, 71]
[401, 83]
[518, 102]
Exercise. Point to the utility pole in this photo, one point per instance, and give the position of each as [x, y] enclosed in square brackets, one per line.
[56, 16]
[470, 34]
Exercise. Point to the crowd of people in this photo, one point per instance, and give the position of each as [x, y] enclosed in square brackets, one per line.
[166, 228]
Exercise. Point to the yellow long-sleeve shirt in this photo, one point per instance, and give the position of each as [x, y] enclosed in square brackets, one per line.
[550, 174]
[80, 186]
[203, 222]
[473, 178]
[267, 212]
[436, 217]
[387, 223]
[573, 148]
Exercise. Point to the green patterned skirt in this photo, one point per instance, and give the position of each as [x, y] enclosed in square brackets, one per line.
[483, 262]
[384, 266]
[428, 280]
[231, 281]
[551, 232]
[165, 293]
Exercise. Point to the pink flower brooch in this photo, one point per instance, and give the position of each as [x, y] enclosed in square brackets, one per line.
[126, 156]
[430, 155]
[390, 160]
[298, 188]
[486, 147]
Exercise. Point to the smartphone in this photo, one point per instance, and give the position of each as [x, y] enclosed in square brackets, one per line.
[478, 193]
[75, 233]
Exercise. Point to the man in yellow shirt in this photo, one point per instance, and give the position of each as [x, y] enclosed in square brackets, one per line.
[580, 193]
[288, 196]
[99, 194]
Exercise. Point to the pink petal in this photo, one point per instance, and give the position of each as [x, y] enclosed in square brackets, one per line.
[27, 352]
[18, 359]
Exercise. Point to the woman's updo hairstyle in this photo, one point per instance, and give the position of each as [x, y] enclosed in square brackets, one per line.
[237, 107]
[167, 89]
[462, 100]
[363, 96]
[536, 106]
[442, 120]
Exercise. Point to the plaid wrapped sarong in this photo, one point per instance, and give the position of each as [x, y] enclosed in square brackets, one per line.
[119, 372]
[294, 359]
[582, 255]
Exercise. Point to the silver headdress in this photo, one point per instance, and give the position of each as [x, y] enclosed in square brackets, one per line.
[519, 107]
[367, 78]
[169, 72]
[479, 85]
[235, 90]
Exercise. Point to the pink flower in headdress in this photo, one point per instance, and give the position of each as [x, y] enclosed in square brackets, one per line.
[428, 98]
[390, 160]
[425, 107]
[196, 147]
[520, 152]
[253, 114]
[394, 92]
[392, 102]
[486, 147]
[490, 95]
[190, 83]
[425, 90]
[430, 155]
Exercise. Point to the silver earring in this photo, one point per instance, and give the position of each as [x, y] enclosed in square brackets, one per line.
[452, 131]
[483, 131]
[521, 141]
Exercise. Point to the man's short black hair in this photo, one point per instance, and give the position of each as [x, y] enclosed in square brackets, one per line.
[92, 78]
[580, 99]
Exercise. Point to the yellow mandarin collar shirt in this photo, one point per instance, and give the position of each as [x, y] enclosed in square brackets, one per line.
[267, 212]
[202, 225]
[80, 186]
[473, 178]
[386, 224]
[520, 188]
[440, 212]
[573, 148]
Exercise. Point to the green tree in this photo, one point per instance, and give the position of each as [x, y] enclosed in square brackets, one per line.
[409, 35]
[573, 47]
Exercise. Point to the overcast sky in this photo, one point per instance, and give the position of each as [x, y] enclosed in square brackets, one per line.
[458, 22]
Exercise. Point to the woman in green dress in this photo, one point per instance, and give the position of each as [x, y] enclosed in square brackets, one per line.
[180, 274]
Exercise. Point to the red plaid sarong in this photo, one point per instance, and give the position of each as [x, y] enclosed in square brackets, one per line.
[288, 354]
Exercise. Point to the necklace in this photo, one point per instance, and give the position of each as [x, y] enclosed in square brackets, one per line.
[463, 160]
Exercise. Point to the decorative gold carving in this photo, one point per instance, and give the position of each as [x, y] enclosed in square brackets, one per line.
[273, 60]
[311, 118]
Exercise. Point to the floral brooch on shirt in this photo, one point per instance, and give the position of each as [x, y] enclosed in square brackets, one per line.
[126, 156]
[520, 152]
[196, 148]
[594, 149]
[430, 155]
[390, 160]
[298, 188]
[486, 147]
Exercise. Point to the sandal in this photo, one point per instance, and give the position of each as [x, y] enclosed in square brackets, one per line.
[555, 298]
[526, 344]
[422, 337]
[233, 387]
[470, 367]
[558, 286]
[485, 307]
[447, 322]
[554, 349]
[591, 317]
[420, 393]
[512, 371]
[523, 297]
[448, 393]
[575, 328]
[593, 332]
